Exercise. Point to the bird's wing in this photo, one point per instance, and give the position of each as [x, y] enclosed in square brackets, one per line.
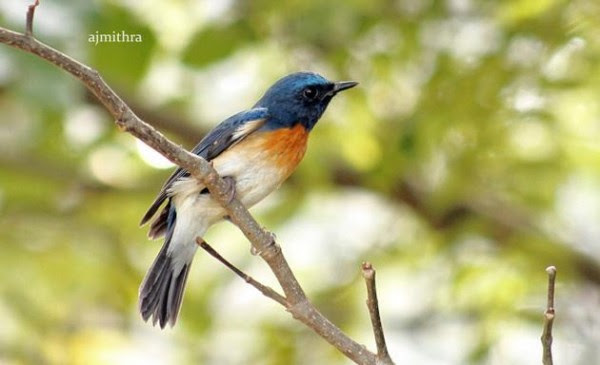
[229, 132]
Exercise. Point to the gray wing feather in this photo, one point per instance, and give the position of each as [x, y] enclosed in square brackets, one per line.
[229, 132]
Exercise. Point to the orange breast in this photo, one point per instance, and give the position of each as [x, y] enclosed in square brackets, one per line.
[281, 148]
[286, 147]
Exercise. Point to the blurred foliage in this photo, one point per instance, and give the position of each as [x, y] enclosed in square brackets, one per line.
[465, 163]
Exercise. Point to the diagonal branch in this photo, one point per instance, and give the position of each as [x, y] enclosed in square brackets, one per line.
[549, 318]
[265, 290]
[383, 356]
[261, 240]
[185, 130]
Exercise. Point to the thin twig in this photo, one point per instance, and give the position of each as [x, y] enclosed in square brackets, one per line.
[261, 240]
[265, 290]
[29, 18]
[549, 318]
[383, 356]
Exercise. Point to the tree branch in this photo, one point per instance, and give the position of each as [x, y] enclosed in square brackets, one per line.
[184, 129]
[262, 241]
[549, 318]
[265, 290]
[29, 18]
[383, 356]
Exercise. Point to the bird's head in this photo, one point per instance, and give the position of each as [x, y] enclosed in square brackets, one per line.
[301, 97]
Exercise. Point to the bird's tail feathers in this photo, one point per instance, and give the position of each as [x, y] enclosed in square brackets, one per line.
[162, 290]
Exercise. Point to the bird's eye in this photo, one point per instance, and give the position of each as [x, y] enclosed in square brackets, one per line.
[310, 93]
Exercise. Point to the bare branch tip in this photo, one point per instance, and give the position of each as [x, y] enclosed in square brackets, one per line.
[383, 356]
[549, 315]
[29, 18]
[368, 271]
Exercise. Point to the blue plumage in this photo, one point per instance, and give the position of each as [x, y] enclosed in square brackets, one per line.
[288, 105]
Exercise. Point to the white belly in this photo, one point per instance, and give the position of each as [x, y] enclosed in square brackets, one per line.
[197, 212]
[255, 178]
[259, 164]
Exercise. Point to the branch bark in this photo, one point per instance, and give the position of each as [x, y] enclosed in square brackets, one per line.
[261, 240]
[265, 290]
[549, 318]
[183, 129]
[383, 356]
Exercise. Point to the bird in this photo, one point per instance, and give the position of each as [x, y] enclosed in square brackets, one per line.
[254, 151]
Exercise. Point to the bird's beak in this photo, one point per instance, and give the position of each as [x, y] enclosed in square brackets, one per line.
[343, 85]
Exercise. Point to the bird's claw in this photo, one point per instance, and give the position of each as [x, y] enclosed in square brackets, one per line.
[229, 188]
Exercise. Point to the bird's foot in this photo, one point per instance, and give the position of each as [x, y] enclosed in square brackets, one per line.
[230, 188]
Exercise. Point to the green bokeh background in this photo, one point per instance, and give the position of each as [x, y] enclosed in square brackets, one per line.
[465, 163]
